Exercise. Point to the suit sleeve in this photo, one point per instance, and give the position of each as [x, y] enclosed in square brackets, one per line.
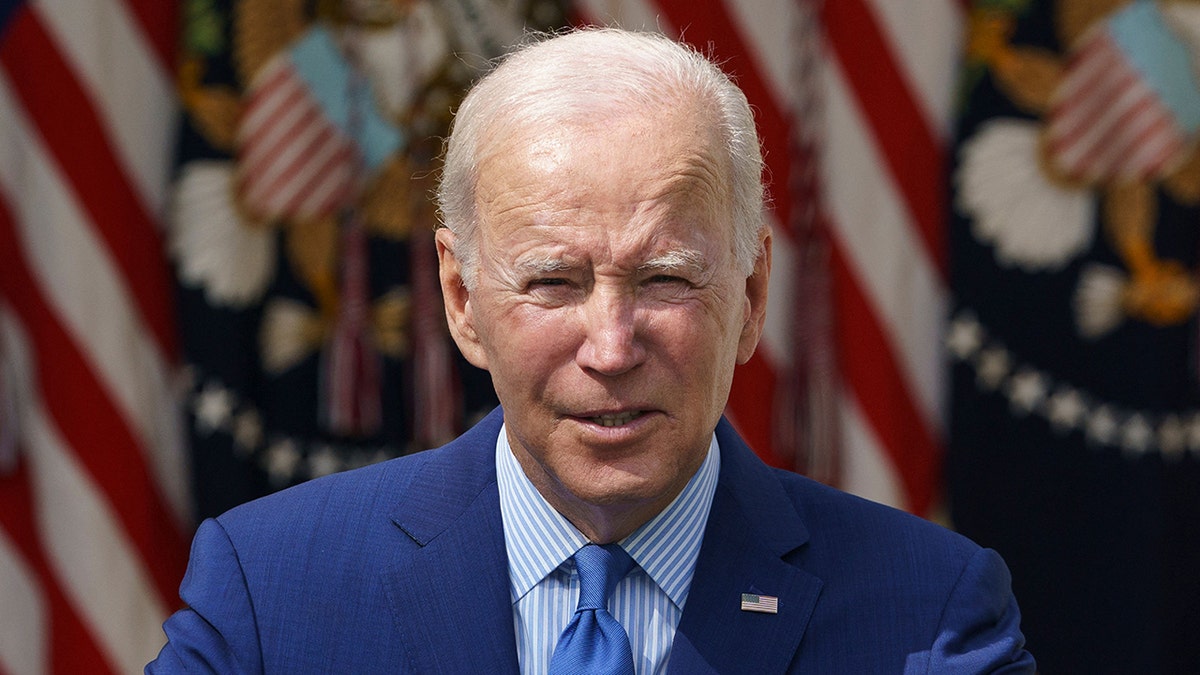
[216, 632]
[980, 629]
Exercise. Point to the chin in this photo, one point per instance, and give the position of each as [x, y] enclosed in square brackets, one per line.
[619, 487]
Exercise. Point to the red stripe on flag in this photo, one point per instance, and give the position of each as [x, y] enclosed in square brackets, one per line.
[909, 147]
[1123, 137]
[323, 176]
[90, 423]
[62, 112]
[750, 401]
[331, 186]
[710, 26]
[1063, 138]
[265, 171]
[704, 24]
[1088, 49]
[70, 646]
[1158, 162]
[159, 22]
[282, 132]
[1071, 118]
[262, 135]
[867, 362]
[1090, 69]
[261, 131]
[267, 83]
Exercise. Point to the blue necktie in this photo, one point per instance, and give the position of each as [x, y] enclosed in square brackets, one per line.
[594, 643]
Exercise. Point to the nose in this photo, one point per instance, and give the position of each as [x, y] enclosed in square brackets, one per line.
[611, 344]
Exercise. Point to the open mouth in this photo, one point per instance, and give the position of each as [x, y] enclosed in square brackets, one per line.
[616, 419]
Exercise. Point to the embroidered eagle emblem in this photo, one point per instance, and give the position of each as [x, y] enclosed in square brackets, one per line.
[1115, 120]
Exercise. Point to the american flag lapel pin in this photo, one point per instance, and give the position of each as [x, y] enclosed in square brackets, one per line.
[766, 604]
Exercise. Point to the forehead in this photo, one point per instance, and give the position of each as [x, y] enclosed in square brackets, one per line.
[649, 169]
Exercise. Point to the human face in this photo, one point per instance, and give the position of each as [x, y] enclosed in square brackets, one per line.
[608, 308]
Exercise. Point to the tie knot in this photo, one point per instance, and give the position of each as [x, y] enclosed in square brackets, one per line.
[600, 568]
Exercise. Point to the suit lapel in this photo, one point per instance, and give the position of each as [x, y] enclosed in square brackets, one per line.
[454, 610]
[449, 587]
[751, 527]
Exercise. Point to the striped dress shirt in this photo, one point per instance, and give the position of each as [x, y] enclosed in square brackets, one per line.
[648, 602]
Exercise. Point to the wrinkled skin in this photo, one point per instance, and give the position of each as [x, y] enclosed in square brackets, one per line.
[608, 307]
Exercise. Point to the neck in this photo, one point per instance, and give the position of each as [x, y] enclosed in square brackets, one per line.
[603, 526]
[601, 523]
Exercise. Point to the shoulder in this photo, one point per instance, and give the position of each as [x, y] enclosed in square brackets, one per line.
[839, 515]
[857, 536]
[880, 562]
[906, 581]
[863, 551]
[367, 498]
[825, 523]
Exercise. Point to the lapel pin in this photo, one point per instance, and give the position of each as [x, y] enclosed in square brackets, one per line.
[766, 604]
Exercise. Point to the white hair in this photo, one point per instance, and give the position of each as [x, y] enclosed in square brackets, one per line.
[587, 73]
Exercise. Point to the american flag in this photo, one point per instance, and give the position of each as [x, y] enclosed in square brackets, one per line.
[765, 604]
[93, 491]
[293, 159]
[1108, 121]
[853, 98]
[854, 104]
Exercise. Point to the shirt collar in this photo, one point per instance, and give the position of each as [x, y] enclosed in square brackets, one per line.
[540, 539]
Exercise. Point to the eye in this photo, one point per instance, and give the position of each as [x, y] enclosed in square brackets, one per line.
[552, 291]
[667, 287]
[548, 282]
[668, 279]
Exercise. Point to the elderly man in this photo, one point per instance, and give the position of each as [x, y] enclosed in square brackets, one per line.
[604, 257]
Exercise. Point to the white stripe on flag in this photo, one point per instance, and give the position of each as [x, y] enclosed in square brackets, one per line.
[317, 181]
[879, 239]
[268, 149]
[272, 93]
[1139, 133]
[87, 548]
[867, 469]
[871, 219]
[80, 281]
[23, 643]
[328, 186]
[133, 94]
[1093, 122]
[1154, 149]
[767, 29]
[629, 14]
[926, 40]
[1086, 67]
[779, 332]
[760, 603]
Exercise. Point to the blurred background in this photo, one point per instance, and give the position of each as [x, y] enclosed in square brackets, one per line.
[217, 280]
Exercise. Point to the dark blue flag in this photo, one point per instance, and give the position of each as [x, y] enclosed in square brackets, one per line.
[7, 7]
[301, 234]
[1075, 432]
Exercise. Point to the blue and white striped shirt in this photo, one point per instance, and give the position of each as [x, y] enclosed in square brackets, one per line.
[545, 588]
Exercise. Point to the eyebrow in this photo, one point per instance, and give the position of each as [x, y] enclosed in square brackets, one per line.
[675, 260]
[543, 265]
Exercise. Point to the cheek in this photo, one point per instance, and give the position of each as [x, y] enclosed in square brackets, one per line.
[701, 328]
[702, 349]
[525, 344]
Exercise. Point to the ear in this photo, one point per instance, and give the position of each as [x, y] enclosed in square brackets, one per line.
[756, 300]
[460, 315]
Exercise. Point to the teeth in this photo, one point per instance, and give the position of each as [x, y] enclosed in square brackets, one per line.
[616, 420]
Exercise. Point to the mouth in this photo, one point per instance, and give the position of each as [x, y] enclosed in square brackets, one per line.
[616, 419]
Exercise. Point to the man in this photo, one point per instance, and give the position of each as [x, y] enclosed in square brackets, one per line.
[604, 257]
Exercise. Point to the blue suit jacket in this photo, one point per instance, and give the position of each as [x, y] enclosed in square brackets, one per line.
[401, 567]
